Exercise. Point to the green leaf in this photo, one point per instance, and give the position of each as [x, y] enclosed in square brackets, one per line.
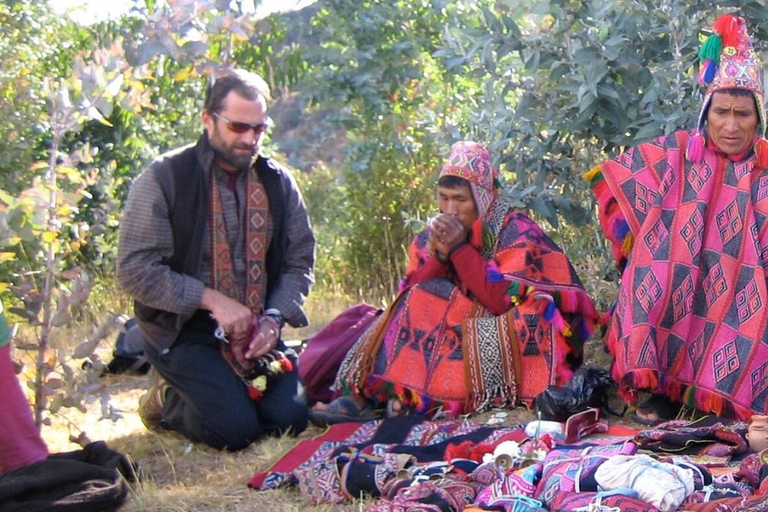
[85, 349]
[648, 132]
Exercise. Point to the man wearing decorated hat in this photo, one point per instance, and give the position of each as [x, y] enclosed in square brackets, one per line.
[686, 214]
[490, 312]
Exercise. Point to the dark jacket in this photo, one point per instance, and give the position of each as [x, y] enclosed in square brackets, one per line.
[183, 180]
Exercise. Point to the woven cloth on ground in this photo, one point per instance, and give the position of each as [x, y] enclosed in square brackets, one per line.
[320, 467]
[587, 501]
[690, 320]
[710, 435]
[322, 476]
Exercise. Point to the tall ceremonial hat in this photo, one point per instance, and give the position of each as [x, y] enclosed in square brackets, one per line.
[729, 61]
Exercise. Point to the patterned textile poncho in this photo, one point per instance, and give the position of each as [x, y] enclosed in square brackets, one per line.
[690, 320]
[437, 347]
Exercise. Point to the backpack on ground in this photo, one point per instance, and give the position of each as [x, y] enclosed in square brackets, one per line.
[128, 356]
[320, 360]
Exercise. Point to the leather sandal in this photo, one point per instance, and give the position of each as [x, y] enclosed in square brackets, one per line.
[343, 410]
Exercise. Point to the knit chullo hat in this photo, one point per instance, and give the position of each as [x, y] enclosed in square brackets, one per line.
[472, 162]
[730, 62]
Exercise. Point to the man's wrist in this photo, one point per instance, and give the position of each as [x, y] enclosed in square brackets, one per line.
[276, 315]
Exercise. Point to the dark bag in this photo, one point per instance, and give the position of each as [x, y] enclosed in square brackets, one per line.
[92, 479]
[128, 356]
[320, 360]
[590, 387]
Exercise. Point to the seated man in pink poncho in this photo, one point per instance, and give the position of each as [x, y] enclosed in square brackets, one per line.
[686, 214]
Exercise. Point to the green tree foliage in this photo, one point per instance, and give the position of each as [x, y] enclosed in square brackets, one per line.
[375, 69]
[569, 83]
[30, 47]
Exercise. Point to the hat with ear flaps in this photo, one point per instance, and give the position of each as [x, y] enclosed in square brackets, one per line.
[730, 62]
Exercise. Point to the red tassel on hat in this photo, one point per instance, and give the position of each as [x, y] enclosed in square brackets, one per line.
[761, 150]
[695, 150]
[728, 28]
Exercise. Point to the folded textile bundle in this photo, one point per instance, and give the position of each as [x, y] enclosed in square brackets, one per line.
[411, 464]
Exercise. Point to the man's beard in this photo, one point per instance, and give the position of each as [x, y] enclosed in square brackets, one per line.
[239, 161]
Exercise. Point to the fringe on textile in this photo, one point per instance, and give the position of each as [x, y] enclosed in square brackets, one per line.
[555, 303]
[382, 390]
[612, 221]
[498, 396]
[692, 396]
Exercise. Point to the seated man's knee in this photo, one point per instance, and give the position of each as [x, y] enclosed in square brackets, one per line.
[238, 434]
[293, 418]
[286, 411]
[233, 436]
[233, 425]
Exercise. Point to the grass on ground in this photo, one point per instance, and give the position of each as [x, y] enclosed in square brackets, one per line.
[181, 476]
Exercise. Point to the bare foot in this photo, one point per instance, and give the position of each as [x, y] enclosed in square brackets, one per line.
[394, 408]
[657, 409]
[359, 401]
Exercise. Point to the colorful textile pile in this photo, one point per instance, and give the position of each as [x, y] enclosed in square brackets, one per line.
[317, 466]
[690, 319]
[463, 465]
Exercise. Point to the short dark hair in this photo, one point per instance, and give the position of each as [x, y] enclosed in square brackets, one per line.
[737, 92]
[245, 83]
[452, 182]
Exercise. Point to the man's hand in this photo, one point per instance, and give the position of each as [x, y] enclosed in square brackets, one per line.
[447, 233]
[265, 339]
[238, 346]
[232, 316]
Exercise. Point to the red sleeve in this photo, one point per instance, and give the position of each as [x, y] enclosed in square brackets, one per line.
[421, 266]
[472, 270]
[432, 267]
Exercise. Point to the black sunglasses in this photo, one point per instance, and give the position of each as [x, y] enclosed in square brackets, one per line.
[238, 127]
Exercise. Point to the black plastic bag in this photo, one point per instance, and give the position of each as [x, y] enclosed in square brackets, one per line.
[589, 387]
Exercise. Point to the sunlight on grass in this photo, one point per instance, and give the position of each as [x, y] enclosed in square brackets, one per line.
[176, 475]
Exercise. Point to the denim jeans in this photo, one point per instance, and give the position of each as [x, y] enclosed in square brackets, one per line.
[209, 403]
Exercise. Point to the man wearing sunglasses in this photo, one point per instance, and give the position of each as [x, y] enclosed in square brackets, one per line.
[217, 251]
